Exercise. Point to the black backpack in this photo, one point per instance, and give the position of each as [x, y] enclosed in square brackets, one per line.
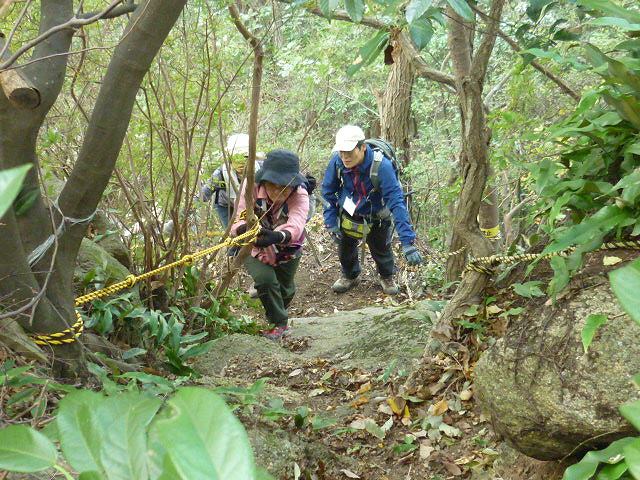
[381, 148]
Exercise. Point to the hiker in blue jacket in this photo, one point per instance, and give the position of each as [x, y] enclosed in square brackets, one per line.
[361, 193]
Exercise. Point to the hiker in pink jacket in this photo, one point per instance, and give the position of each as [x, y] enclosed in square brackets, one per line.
[281, 205]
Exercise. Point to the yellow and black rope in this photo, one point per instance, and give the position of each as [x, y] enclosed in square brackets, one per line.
[70, 334]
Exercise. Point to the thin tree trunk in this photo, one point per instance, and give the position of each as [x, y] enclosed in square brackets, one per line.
[470, 71]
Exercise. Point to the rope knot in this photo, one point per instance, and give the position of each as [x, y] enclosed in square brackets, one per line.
[131, 280]
[188, 260]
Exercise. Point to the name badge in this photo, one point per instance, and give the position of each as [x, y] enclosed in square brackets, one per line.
[349, 206]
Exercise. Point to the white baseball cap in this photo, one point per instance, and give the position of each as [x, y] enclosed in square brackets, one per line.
[347, 138]
[238, 144]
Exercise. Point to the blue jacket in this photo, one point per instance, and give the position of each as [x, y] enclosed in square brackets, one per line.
[356, 184]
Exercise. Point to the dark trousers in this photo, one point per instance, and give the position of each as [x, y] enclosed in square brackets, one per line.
[379, 242]
[276, 287]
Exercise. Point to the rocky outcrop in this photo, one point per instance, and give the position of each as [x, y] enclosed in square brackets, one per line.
[106, 235]
[548, 397]
[95, 263]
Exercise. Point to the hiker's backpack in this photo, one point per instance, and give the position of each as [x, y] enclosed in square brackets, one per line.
[381, 148]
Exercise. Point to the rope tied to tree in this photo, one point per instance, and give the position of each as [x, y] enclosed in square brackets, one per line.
[69, 335]
[36, 255]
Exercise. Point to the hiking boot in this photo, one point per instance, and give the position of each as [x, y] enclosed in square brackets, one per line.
[276, 333]
[252, 292]
[389, 286]
[344, 284]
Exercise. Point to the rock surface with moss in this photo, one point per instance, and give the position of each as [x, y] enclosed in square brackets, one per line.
[547, 396]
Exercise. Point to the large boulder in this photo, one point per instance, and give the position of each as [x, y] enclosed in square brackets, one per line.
[95, 262]
[548, 397]
[106, 235]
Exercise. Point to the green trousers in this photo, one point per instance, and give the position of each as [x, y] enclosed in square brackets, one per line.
[276, 287]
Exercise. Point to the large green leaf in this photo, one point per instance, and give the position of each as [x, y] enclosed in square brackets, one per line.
[421, 32]
[462, 8]
[10, 183]
[612, 472]
[79, 431]
[416, 9]
[593, 322]
[589, 229]
[355, 9]
[615, 22]
[124, 419]
[611, 9]
[632, 457]
[535, 8]
[585, 468]
[631, 411]
[198, 437]
[625, 283]
[369, 51]
[23, 449]
[327, 7]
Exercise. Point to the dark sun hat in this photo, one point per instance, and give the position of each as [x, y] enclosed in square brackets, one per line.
[281, 167]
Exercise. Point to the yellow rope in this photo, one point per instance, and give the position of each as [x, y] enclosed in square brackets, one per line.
[486, 264]
[69, 335]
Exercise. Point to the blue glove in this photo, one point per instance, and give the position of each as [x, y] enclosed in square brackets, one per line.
[336, 233]
[412, 254]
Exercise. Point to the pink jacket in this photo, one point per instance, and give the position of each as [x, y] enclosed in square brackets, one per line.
[294, 220]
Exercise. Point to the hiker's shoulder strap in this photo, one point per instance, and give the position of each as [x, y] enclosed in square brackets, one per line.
[378, 157]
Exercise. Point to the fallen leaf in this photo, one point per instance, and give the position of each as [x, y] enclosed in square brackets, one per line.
[387, 425]
[607, 261]
[359, 401]
[296, 471]
[452, 468]
[425, 451]
[386, 409]
[296, 372]
[439, 408]
[316, 391]
[449, 431]
[466, 395]
[464, 460]
[358, 424]
[397, 404]
[364, 388]
[493, 309]
[372, 427]
[349, 473]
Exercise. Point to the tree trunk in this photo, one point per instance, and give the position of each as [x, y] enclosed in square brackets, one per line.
[395, 107]
[470, 71]
[142, 39]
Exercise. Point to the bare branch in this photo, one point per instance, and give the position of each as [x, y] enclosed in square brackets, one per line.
[118, 11]
[535, 64]
[422, 68]
[545, 71]
[343, 15]
[73, 23]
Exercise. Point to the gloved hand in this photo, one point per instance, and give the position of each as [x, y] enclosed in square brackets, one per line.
[268, 237]
[206, 193]
[336, 233]
[241, 229]
[412, 254]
